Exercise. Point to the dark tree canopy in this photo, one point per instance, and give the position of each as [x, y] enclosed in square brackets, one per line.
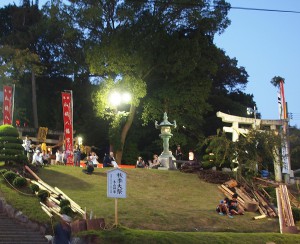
[161, 51]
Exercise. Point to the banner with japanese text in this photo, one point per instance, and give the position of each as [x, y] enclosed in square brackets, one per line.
[7, 105]
[67, 104]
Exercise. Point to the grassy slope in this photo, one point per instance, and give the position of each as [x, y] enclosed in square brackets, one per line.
[156, 200]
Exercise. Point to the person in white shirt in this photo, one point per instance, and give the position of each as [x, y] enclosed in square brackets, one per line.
[59, 157]
[94, 158]
[45, 157]
[37, 158]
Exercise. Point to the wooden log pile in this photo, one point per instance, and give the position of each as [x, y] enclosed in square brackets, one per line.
[255, 198]
[250, 199]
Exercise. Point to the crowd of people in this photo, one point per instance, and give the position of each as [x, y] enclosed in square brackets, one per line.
[41, 155]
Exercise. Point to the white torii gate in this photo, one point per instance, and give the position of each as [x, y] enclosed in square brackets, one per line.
[236, 121]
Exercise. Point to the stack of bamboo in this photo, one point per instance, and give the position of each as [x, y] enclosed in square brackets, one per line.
[51, 206]
[286, 220]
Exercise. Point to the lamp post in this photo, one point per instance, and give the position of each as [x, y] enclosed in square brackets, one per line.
[115, 99]
[252, 111]
[165, 129]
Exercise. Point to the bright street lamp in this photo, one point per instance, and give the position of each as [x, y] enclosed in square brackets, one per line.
[252, 111]
[79, 141]
[116, 98]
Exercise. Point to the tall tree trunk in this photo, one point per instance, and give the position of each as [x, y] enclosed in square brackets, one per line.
[124, 133]
[34, 102]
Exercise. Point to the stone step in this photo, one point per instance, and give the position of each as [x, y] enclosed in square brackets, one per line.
[12, 232]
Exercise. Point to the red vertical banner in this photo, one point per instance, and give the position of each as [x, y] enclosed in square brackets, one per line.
[7, 104]
[67, 104]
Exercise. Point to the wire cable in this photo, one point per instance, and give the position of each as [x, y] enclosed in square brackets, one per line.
[267, 10]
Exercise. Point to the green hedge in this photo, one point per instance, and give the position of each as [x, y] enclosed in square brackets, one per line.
[12, 145]
[11, 149]
[8, 130]
[19, 181]
[10, 139]
[10, 176]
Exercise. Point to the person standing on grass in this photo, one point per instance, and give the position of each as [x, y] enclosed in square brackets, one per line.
[77, 155]
[58, 157]
[178, 153]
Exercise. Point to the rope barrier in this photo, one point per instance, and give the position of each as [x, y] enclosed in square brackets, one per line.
[26, 194]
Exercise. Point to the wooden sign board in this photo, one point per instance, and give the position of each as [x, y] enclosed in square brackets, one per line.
[116, 183]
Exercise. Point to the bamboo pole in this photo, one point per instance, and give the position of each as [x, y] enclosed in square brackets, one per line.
[260, 217]
[279, 209]
[48, 187]
[73, 204]
[47, 212]
[32, 173]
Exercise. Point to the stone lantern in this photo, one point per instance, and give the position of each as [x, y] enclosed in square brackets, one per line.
[165, 129]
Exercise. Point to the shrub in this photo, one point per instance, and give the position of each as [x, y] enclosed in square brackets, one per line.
[11, 149]
[42, 195]
[19, 181]
[296, 214]
[3, 171]
[272, 192]
[10, 176]
[34, 188]
[66, 210]
[207, 165]
[64, 202]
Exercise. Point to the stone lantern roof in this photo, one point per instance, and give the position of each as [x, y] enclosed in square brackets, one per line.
[165, 122]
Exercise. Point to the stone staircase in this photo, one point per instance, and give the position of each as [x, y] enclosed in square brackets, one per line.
[12, 232]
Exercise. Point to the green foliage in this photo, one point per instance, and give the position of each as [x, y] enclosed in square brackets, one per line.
[276, 80]
[296, 214]
[66, 210]
[34, 188]
[9, 131]
[3, 171]
[272, 192]
[43, 195]
[294, 138]
[11, 148]
[64, 202]
[219, 151]
[258, 149]
[19, 182]
[10, 176]
[255, 149]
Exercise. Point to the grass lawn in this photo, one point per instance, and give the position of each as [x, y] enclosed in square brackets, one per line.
[156, 200]
[161, 207]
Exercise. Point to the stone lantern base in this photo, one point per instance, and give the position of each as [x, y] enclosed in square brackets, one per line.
[164, 160]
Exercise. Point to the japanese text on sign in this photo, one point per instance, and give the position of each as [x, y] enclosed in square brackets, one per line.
[116, 183]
